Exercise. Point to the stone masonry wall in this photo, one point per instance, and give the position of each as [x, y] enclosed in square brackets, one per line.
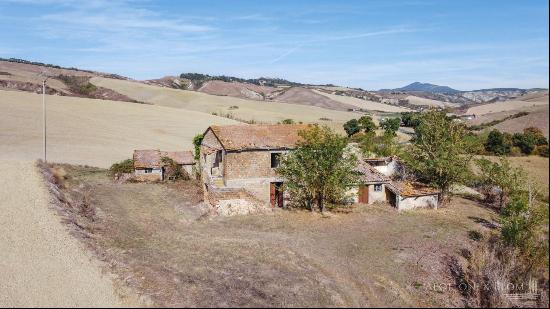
[249, 164]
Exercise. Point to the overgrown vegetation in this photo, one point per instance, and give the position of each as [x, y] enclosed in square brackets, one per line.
[511, 259]
[197, 140]
[383, 145]
[440, 153]
[363, 124]
[531, 141]
[122, 167]
[172, 170]
[498, 180]
[411, 119]
[390, 126]
[319, 170]
[78, 84]
[262, 81]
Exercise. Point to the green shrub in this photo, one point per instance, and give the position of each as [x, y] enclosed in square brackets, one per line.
[122, 167]
[542, 151]
[197, 140]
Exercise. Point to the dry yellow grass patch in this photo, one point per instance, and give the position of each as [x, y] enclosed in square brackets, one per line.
[93, 132]
[260, 111]
[365, 104]
[504, 106]
[536, 168]
[429, 102]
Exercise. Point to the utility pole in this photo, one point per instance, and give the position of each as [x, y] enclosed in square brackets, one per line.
[44, 114]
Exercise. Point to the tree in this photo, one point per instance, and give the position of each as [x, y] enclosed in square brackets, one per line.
[523, 227]
[287, 121]
[319, 169]
[502, 176]
[367, 124]
[197, 140]
[351, 127]
[440, 154]
[410, 119]
[497, 143]
[390, 125]
[379, 145]
[537, 135]
[525, 142]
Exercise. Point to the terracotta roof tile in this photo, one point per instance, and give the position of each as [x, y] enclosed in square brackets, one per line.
[408, 189]
[149, 158]
[152, 158]
[180, 157]
[242, 137]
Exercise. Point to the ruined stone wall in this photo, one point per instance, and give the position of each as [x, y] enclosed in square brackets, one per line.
[207, 157]
[141, 175]
[249, 164]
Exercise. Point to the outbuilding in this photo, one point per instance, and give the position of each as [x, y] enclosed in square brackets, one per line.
[405, 195]
[148, 165]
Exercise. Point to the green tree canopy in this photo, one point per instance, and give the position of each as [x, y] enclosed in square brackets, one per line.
[525, 142]
[440, 154]
[390, 125]
[498, 143]
[351, 127]
[367, 124]
[410, 119]
[319, 169]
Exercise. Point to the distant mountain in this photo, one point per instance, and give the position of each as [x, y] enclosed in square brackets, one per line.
[423, 87]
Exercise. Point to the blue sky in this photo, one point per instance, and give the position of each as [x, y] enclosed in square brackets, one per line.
[368, 44]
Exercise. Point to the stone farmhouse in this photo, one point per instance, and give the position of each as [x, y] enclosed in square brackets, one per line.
[148, 164]
[243, 158]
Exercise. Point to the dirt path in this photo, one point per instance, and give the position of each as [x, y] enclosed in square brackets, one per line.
[41, 264]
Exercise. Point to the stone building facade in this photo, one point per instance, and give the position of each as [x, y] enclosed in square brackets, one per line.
[244, 157]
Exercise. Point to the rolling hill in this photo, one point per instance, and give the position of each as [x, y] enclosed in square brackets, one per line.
[422, 87]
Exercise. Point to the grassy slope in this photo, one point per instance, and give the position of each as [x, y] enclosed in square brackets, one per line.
[423, 101]
[369, 105]
[537, 118]
[504, 106]
[94, 132]
[247, 109]
[536, 168]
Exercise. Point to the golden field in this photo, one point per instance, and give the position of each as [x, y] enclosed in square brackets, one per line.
[248, 110]
[93, 132]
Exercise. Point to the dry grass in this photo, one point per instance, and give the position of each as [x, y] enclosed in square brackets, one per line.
[505, 106]
[368, 256]
[429, 102]
[536, 168]
[364, 104]
[93, 132]
[22, 72]
[537, 117]
[249, 110]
